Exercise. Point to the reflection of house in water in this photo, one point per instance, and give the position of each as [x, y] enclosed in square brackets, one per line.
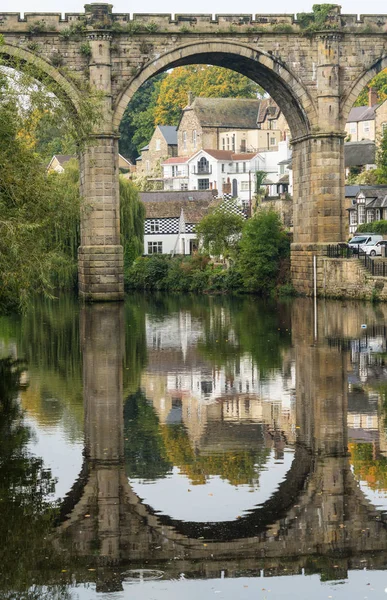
[185, 387]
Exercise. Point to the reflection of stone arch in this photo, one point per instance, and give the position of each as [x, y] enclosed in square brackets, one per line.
[277, 79]
[353, 92]
[24, 60]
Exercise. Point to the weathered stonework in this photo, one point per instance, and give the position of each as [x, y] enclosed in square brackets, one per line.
[313, 76]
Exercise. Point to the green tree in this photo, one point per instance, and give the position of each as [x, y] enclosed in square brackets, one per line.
[219, 232]
[379, 82]
[202, 80]
[138, 122]
[263, 246]
[132, 222]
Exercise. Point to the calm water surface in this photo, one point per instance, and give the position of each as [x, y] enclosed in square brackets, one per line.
[181, 447]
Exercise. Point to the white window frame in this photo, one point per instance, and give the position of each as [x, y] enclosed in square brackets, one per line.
[184, 140]
[361, 214]
[158, 145]
[244, 186]
[366, 127]
[155, 247]
[194, 138]
[273, 141]
[154, 226]
[353, 217]
[370, 216]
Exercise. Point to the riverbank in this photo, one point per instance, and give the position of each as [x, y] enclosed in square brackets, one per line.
[198, 274]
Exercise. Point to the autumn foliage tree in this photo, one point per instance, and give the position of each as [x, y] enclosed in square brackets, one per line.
[202, 80]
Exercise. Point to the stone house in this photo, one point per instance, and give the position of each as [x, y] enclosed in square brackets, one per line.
[361, 120]
[235, 124]
[162, 145]
[59, 161]
[369, 204]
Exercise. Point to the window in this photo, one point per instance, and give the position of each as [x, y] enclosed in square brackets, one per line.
[194, 138]
[233, 143]
[228, 143]
[236, 167]
[282, 169]
[147, 166]
[154, 226]
[370, 216]
[244, 167]
[352, 128]
[203, 184]
[244, 186]
[353, 217]
[366, 126]
[273, 141]
[223, 144]
[243, 145]
[273, 124]
[158, 145]
[185, 140]
[361, 219]
[155, 247]
[377, 214]
[184, 186]
[223, 165]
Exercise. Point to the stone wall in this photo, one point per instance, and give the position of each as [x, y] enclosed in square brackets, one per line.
[380, 118]
[188, 124]
[348, 278]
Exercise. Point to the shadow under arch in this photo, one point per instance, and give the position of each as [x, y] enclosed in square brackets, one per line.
[26, 61]
[255, 522]
[353, 93]
[263, 68]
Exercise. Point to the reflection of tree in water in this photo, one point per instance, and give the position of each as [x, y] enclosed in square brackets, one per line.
[368, 468]
[145, 452]
[152, 449]
[240, 467]
[252, 326]
[26, 516]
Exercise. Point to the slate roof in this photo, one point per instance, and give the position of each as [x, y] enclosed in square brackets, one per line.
[359, 153]
[169, 133]
[63, 158]
[362, 113]
[194, 210]
[374, 191]
[238, 113]
[229, 155]
[171, 196]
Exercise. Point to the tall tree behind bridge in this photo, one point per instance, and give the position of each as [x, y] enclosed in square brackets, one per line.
[379, 83]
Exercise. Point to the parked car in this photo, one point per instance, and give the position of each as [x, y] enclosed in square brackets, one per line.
[359, 242]
[377, 249]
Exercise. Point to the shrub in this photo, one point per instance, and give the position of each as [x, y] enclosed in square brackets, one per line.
[374, 227]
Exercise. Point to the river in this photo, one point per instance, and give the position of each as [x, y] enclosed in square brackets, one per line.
[212, 447]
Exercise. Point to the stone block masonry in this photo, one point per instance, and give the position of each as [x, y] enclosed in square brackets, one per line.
[313, 71]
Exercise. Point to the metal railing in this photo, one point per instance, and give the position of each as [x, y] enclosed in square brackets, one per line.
[206, 170]
[375, 267]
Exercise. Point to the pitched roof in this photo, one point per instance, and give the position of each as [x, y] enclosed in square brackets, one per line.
[194, 210]
[63, 158]
[359, 153]
[238, 113]
[169, 133]
[229, 155]
[175, 160]
[362, 113]
[171, 196]
[268, 109]
[374, 191]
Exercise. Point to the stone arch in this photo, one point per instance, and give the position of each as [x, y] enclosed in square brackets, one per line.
[19, 58]
[265, 69]
[350, 97]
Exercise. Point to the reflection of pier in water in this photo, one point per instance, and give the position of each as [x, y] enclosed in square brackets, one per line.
[317, 511]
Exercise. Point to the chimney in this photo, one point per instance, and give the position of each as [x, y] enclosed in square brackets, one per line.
[372, 96]
[191, 98]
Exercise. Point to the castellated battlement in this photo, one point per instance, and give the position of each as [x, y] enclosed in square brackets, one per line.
[100, 16]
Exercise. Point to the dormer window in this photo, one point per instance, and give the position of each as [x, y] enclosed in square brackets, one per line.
[203, 165]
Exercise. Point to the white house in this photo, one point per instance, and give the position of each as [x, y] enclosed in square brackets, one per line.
[226, 172]
[370, 204]
[170, 221]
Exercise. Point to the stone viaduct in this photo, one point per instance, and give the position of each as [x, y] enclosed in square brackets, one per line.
[317, 519]
[313, 67]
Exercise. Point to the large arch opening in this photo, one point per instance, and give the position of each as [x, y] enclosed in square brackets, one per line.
[282, 85]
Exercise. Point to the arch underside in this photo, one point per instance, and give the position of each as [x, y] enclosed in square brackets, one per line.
[277, 81]
[27, 62]
[350, 97]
